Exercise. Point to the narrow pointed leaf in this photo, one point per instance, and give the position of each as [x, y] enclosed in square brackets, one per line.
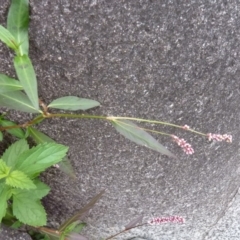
[27, 78]
[11, 154]
[17, 101]
[7, 38]
[80, 213]
[134, 222]
[139, 136]
[17, 23]
[17, 132]
[8, 84]
[73, 103]
[40, 137]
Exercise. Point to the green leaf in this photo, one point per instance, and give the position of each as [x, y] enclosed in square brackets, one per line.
[17, 23]
[40, 191]
[8, 38]
[1, 136]
[5, 194]
[27, 78]
[8, 84]
[19, 179]
[17, 132]
[29, 211]
[38, 158]
[4, 169]
[18, 101]
[139, 136]
[40, 137]
[73, 103]
[82, 212]
[11, 154]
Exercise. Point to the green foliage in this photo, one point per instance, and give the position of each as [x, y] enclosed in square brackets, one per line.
[7, 38]
[40, 137]
[18, 101]
[17, 132]
[73, 103]
[17, 23]
[8, 84]
[19, 168]
[134, 133]
[27, 78]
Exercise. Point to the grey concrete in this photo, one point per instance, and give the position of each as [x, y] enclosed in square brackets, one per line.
[169, 60]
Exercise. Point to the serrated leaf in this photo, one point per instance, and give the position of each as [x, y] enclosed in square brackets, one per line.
[134, 133]
[73, 103]
[80, 213]
[4, 169]
[29, 211]
[7, 38]
[27, 78]
[17, 132]
[17, 23]
[8, 84]
[17, 100]
[5, 194]
[11, 154]
[20, 180]
[40, 137]
[38, 193]
[39, 158]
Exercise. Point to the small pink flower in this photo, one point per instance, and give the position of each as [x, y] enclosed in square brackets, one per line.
[185, 127]
[219, 137]
[187, 148]
[170, 219]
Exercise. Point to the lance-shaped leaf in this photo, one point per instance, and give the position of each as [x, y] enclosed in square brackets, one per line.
[8, 84]
[81, 213]
[17, 132]
[17, 101]
[134, 133]
[17, 23]
[27, 78]
[40, 137]
[8, 38]
[73, 103]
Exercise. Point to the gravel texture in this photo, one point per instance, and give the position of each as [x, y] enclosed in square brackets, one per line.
[176, 61]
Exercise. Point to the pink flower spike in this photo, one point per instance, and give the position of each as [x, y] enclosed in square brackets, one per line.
[219, 137]
[187, 148]
[185, 127]
[170, 219]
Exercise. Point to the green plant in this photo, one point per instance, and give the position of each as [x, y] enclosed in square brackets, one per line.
[21, 94]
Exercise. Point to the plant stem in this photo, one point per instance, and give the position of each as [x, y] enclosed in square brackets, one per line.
[67, 115]
[155, 122]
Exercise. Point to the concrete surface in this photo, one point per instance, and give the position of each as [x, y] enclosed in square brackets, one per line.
[169, 60]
